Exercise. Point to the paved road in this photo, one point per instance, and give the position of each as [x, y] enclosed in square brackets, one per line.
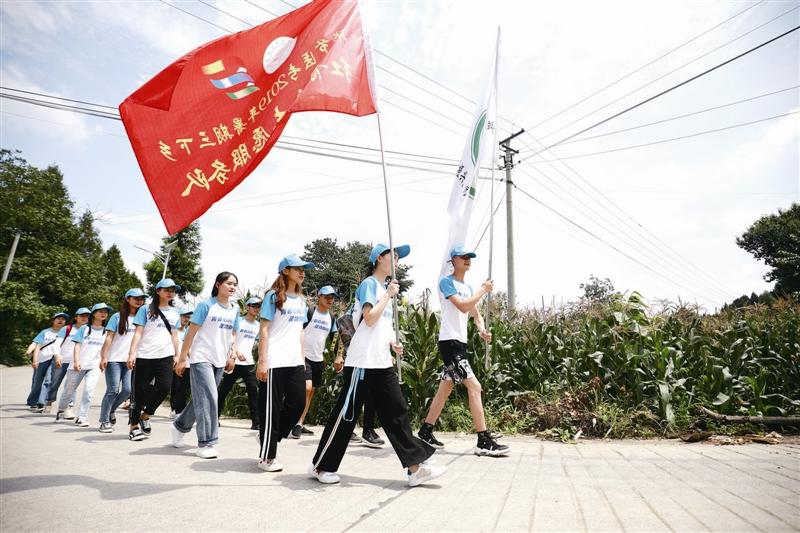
[60, 477]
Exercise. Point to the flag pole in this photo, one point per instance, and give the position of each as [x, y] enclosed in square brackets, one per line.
[391, 245]
[491, 200]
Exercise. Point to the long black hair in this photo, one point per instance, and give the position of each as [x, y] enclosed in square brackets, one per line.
[91, 322]
[152, 310]
[124, 313]
[222, 277]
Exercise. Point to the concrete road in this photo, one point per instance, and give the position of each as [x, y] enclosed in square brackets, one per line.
[60, 477]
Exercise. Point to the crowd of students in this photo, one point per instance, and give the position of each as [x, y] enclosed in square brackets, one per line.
[147, 351]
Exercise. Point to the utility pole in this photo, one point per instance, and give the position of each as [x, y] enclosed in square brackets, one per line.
[10, 259]
[508, 164]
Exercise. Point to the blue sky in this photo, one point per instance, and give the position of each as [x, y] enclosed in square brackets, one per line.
[692, 196]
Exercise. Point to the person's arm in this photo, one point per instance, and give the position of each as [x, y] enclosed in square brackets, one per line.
[476, 316]
[465, 305]
[262, 370]
[35, 356]
[104, 350]
[371, 314]
[137, 336]
[180, 364]
[76, 356]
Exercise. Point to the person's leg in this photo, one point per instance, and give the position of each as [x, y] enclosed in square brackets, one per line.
[73, 380]
[140, 382]
[369, 416]
[39, 374]
[475, 403]
[162, 371]
[249, 376]
[225, 386]
[112, 375]
[308, 374]
[44, 393]
[90, 383]
[272, 432]
[384, 391]
[341, 421]
[442, 393]
[205, 380]
[294, 399]
[173, 391]
[125, 386]
[56, 380]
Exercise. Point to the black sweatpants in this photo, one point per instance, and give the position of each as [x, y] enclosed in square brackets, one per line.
[369, 416]
[281, 400]
[248, 374]
[145, 396]
[179, 391]
[380, 387]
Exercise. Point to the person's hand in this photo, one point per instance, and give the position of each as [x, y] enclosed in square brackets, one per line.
[229, 364]
[397, 348]
[76, 365]
[180, 368]
[487, 286]
[338, 364]
[34, 364]
[240, 356]
[103, 364]
[131, 361]
[262, 372]
[393, 288]
[486, 335]
[58, 361]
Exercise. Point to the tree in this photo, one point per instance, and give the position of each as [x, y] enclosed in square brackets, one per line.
[597, 290]
[343, 267]
[118, 278]
[775, 239]
[184, 262]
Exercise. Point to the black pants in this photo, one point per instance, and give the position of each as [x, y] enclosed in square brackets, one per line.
[281, 400]
[148, 397]
[248, 374]
[380, 387]
[179, 391]
[369, 415]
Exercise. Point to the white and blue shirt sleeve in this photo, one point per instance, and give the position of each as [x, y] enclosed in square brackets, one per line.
[39, 339]
[367, 292]
[113, 323]
[268, 307]
[141, 316]
[201, 311]
[447, 287]
[78, 338]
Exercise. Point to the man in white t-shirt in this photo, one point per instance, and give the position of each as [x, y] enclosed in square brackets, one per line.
[319, 329]
[459, 302]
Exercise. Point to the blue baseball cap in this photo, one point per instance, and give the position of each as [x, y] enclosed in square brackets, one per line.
[188, 310]
[134, 293]
[461, 251]
[83, 311]
[326, 290]
[402, 251]
[100, 306]
[65, 315]
[167, 283]
[294, 260]
[255, 300]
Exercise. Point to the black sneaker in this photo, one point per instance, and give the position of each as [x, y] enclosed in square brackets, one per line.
[354, 438]
[495, 434]
[305, 431]
[488, 446]
[145, 425]
[255, 426]
[296, 432]
[371, 439]
[113, 419]
[136, 434]
[425, 434]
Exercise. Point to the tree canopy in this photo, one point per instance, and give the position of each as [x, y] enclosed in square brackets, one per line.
[775, 239]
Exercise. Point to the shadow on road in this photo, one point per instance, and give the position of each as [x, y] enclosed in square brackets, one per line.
[109, 490]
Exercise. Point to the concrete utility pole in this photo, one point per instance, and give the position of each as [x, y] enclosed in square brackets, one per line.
[508, 164]
[10, 259]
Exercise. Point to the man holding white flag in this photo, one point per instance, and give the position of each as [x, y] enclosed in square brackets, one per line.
[457, 297]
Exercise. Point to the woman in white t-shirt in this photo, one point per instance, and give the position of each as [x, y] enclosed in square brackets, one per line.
[45, 348]
[369, 374]
[245, 368]
[114, 358]
[63, 361]
[211, 338]
[86, 363]
[152, 355]
[281, 366]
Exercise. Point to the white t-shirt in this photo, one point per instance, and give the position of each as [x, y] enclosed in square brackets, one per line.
[156, 341]
[49, 339]
[121, 343]
[245, 338]
[182, 335]
[454, 322]
[369, 347]
[67, 345]
[213, 340]
[316, 333]
[91, 341]
[285, 330]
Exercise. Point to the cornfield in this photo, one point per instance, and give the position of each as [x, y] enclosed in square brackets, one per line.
[606, 369]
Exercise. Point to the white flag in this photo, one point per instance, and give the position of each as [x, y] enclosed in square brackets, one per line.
[462, 196]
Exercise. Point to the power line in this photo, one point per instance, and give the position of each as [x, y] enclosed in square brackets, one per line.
[637, 70]
[674, 87]
[642, 145]
[196, 16]
[212, 6]
[263, 9]
[58, 98]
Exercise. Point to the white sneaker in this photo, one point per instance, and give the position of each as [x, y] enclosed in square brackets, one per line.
[47, 409]
[425, 472]
[177, 437]
[68, 414]
[172, 415]
[80, 422]
[270, 466]
[322, 476]
[206, 452]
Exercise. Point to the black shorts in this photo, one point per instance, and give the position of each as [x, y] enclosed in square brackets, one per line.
[456, 366]
[314, 372]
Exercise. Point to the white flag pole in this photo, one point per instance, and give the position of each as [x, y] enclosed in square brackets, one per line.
[391, 245]
[491, 201]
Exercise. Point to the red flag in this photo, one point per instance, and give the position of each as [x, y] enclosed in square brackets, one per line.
[205, 122]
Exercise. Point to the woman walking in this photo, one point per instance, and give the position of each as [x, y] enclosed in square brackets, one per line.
[63, 361]
[45, 349]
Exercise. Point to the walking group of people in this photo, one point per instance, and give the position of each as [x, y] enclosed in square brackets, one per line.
[148, 351]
